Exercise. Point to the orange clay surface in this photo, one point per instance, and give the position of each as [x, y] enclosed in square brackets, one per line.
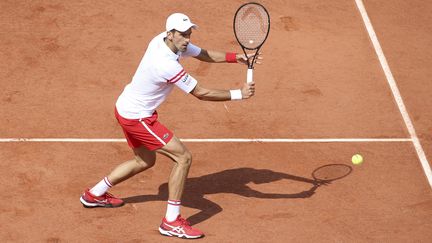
[64, 63]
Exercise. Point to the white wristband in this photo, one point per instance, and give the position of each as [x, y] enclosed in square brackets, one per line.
[236, 94]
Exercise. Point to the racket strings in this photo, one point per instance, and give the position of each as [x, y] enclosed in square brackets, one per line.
[251, 26]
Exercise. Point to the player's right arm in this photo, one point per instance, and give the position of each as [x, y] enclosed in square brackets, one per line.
[173, 73]
[202, 93]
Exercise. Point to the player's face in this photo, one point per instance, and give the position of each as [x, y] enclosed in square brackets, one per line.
[181, 39]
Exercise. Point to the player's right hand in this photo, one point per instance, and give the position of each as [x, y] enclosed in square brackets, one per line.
[248, 90]
[241, 58]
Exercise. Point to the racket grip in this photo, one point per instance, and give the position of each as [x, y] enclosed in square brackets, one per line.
[249, 78]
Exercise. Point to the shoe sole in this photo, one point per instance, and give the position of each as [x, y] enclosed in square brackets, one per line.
[184, 236]
[94, 205]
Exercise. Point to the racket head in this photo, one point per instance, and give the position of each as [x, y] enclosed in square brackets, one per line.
[331, 172]
[251, 25]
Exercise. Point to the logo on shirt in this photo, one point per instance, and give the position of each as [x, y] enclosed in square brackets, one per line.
[185, 79]
[165, 136]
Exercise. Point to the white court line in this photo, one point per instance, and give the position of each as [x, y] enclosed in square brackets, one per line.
[216, 140]
[396, 94]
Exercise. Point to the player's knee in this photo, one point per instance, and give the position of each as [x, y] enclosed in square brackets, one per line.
[185, 159]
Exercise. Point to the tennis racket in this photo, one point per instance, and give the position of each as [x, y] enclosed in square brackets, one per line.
[251, 28]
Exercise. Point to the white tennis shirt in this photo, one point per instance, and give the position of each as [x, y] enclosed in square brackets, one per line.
[157, 73]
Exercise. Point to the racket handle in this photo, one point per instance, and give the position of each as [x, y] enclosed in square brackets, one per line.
[249, 75]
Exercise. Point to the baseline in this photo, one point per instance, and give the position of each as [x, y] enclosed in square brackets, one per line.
[215, 140]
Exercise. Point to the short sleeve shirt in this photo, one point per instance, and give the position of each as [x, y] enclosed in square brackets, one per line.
[158, 72]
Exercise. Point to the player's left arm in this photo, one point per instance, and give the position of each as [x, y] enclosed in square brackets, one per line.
[221, 57]
[212, 56]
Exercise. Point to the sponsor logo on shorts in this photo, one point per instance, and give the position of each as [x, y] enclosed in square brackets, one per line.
[165, 136]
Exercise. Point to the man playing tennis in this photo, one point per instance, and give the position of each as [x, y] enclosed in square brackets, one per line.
[157, 74]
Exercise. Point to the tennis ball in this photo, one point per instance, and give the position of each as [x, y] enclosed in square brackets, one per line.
[251, 41]
[357, 159]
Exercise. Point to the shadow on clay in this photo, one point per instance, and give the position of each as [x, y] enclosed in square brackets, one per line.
[228, 181]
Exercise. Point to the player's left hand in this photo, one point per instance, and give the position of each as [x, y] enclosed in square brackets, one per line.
[248, 90]
[241, 58]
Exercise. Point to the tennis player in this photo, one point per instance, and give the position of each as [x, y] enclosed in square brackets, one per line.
[158, 73]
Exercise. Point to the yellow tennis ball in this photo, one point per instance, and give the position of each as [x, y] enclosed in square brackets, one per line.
[357, 159]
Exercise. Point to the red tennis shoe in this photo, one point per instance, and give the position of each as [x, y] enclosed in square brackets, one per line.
[107, 200]
[180, 228]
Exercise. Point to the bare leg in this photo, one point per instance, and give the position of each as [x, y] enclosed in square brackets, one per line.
[144, 159]
[172, 224]
[182, 158]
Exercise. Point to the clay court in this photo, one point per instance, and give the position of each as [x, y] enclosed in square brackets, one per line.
[322, 95]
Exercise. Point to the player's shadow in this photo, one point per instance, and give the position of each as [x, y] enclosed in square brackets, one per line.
[228, 181]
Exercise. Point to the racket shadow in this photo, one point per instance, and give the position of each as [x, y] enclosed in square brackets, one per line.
[232, 181]
[328, 173]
